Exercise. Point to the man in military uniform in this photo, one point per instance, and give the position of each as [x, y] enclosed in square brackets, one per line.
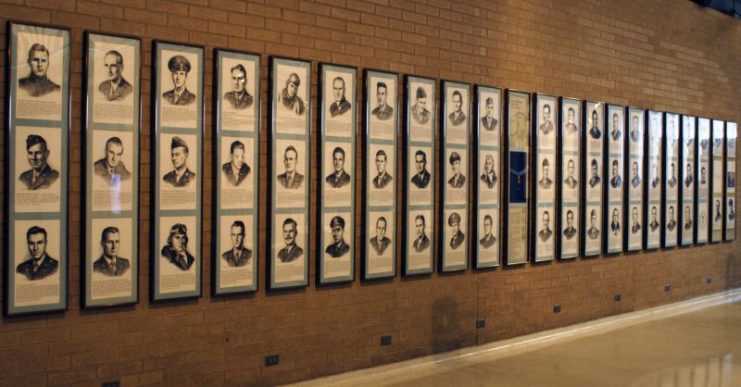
[489, 177]
[176, 249]
[292, 251]
[238, 255]
[290, 179]
[422, 242]
[671, 223]
[488, 121]
[380, 242]
[615, 181]
[717, 211]
[340, 104]
[595, 179]
[181, 176]
[687, 218]
[457, 117]
[545, 182]
[383, 111]
[111, 168]
[289, 95]
[593, 232]
[636, 180]
[420, 114]
[546, 232]
[570, 180]
[570, 231]
[339, 247]
[236, 170]
[110, 264]
[179, 66]
[673, 181]
[36, 83]
[41, 175]
[635, 134]
[40, 265]
[339, 178]
[616, 132]
[239, 98]
[636, 226]
[688, 179]
[570, 125]
[422, 178]
[115, 88]
[489, 239]
[457, 238]
[594, 131]
[459, 179]
[655, 172]
[731, 210]
[547, 126]
[615, 224]
[383, 178]
[654, 219]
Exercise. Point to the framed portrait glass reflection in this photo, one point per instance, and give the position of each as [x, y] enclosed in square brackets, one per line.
[653, 185]
[702, 185]
[336, 182]
[177, 174]
[236, 170]
[36, 169]
[634, 178]
[488, 132]
[730, 181]
[570, 178]
[455, 172]
[593, 178]
[672, 181]
[687, 179]
[287, 251]
[381, 113]
[110, 269]
[716, 196]
[419, 242]
[615, 181]
[544, 177]
[516, 163]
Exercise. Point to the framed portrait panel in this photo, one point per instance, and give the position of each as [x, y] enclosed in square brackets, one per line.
[654, 218]
[381, 124]
[672, 181]
[288, 173]
[488, 184]
[516, 203]
[634, 178]
[110, 269]
[236, 171]
[730, 181]
[615, 179]
[688, 178]
[545, 177]
[702, 185]
[455, 173]
[177, 174]
[569, 180]
[593, 175]
[716, 195]
[36, 169]
[336, 183]
[418, 216]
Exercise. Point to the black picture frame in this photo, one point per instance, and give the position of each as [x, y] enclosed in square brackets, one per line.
[687, 179]
[420, 187]
[289, 133]
[635, 180]
[730, 182]
[615, 181]
[593, 174]
[702, 188]
[455, 145]
[27, 126]
[183, 211]
[517, 164]
[337, 125]
[671, 181]
[379, 197]
[543, 204]
[103, 51]
[569, 192]
[717, 209]
[654, 187]
[237, 117]
[487, 246]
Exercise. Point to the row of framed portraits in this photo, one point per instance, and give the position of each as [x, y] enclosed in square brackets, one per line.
[464, 174]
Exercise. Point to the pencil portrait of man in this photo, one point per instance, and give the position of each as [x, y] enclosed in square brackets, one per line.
[116, 87]
[179, 67]
[111, 168]
[37, 83]
[236, 170]
[41, 175]
[239, 97]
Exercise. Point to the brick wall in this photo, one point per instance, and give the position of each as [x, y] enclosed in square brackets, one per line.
[657, 54]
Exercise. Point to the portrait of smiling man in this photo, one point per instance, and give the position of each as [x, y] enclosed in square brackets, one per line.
[41, 175]
[116, 87]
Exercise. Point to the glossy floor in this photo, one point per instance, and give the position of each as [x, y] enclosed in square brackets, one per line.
[693, 349]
